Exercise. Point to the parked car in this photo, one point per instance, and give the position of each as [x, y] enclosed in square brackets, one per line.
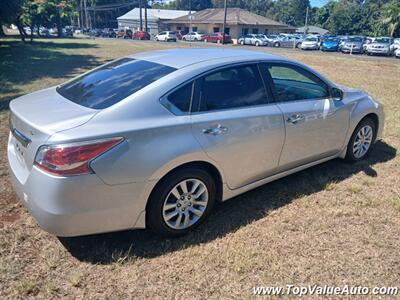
[286, 41]
[124, 34]
[115, 148]
[180, 33]
[253, 39]
[141, 35]
[216, 38]
[310, 43]
[396, 44]
[381, 45]
[95, 32]
[166, 36]
[193, 36]
[330, 44]
[354, 44]
[397, 53]
[270, 38]
[108, 33]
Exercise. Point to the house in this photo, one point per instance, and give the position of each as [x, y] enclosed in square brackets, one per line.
[238, 22]
[311, 30]
[155, 19]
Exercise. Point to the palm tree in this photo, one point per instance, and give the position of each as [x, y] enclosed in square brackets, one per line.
[391, 17]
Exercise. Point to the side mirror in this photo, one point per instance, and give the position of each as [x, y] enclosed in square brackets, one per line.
[336, 94]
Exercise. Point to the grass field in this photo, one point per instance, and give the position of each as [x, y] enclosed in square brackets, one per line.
[332, 224]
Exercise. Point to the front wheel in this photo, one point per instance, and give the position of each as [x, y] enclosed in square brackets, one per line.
[181, 201]
[361, 140]
[242, 43]
[257, 44]
[277, 44]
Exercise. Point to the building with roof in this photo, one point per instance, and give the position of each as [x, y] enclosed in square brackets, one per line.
[238, 22]
[311, 30]
[155, 19]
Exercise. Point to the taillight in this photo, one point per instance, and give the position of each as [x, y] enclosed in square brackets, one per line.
[72, 159]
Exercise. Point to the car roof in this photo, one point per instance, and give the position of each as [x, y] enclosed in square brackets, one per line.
[180, 58]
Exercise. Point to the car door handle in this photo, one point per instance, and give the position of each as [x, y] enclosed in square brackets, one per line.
[216, 130]
[295, 118]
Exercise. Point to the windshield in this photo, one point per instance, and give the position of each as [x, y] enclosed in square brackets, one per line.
[112, 82]
[335, 40]
[311, 39]
[383, 40]
[355, 39]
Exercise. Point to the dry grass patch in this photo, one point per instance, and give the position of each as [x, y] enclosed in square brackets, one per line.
[333, 224]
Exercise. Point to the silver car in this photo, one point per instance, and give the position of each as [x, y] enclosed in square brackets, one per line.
[310, 43]
[354, 44]
[253, 39]
[381, 45]
[155, 139]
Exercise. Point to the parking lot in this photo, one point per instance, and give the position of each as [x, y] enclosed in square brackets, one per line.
[337, 224]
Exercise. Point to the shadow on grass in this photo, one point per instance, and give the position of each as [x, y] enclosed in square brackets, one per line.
[22, 64]
[228, 216]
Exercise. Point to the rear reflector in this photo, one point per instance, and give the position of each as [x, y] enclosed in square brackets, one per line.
[72, 159]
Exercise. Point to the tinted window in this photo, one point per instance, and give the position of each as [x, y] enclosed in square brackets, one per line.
[181, 97]
[112, 82]
[293, 83]
[231, 88]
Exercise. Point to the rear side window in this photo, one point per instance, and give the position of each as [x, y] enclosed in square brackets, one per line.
[112, 82]
[293, 83]
[239, 86]
[181, 97]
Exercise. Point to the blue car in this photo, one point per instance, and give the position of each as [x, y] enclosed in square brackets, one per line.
[330, 44]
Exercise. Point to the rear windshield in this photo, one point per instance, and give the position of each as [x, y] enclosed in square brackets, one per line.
[112, 82]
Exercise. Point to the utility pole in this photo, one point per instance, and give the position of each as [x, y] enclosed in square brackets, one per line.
[306, 27]
[140, 15]
[224, 25]
[86, 14]
[145, 15]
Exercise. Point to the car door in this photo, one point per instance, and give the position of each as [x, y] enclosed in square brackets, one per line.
[247, 39]
[236, 125]
[316, 124]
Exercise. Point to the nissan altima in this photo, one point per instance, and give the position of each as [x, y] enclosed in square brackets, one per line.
[154, 140]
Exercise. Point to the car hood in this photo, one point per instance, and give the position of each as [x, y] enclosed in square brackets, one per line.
[330, 44]
[354, 44]
[379, 44]
[309, 42]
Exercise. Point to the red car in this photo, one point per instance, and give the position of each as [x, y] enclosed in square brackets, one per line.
[179, 34]
[216, 38]
[141, 35]
[124, 33]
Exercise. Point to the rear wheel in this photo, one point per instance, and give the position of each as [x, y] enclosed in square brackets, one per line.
[277, 44]
[181, 201]
[242, 42]
[361, 140]
[257, 43]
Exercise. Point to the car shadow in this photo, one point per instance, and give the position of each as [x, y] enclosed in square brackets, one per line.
[227, 217]
[22, 64]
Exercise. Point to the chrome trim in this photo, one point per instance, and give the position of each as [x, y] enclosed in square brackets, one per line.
[22, 139]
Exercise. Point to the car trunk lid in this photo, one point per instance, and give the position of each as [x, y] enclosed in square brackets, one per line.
[37, 116]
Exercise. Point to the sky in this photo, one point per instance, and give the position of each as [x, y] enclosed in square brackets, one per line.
[318, 3]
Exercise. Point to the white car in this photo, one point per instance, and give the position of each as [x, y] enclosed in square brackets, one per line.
[166, 36]
[310, 43]
[397, 53]
[193, 36]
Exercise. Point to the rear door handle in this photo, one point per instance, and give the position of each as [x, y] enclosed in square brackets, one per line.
[295, 118]
[216, 130]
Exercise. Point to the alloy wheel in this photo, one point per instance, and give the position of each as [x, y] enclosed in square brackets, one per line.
[185, 204]
[362, 141]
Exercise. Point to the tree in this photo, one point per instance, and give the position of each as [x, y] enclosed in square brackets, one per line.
[10, 12]
[195, 4]
[391, 17]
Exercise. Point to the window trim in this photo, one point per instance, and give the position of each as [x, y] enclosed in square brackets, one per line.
[172, 107]
[269, 80]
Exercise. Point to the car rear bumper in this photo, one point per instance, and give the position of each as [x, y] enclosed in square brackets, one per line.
[378, 51]
[77, 205]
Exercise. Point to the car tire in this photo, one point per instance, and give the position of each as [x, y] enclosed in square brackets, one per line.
[257, 44]
[298, 45]
[277, 44]
[163, 220]
[364, 136]
[242, 43]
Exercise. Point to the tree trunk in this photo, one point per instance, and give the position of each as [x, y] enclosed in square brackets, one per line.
[31, 33]
[21, 30]
[1, 30]
[59, 28]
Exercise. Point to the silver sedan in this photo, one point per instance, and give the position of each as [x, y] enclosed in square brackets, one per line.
[155, 139]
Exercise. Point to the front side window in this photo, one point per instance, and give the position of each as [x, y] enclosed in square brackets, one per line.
[112, 82]
[294, 83]
[234, 87]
